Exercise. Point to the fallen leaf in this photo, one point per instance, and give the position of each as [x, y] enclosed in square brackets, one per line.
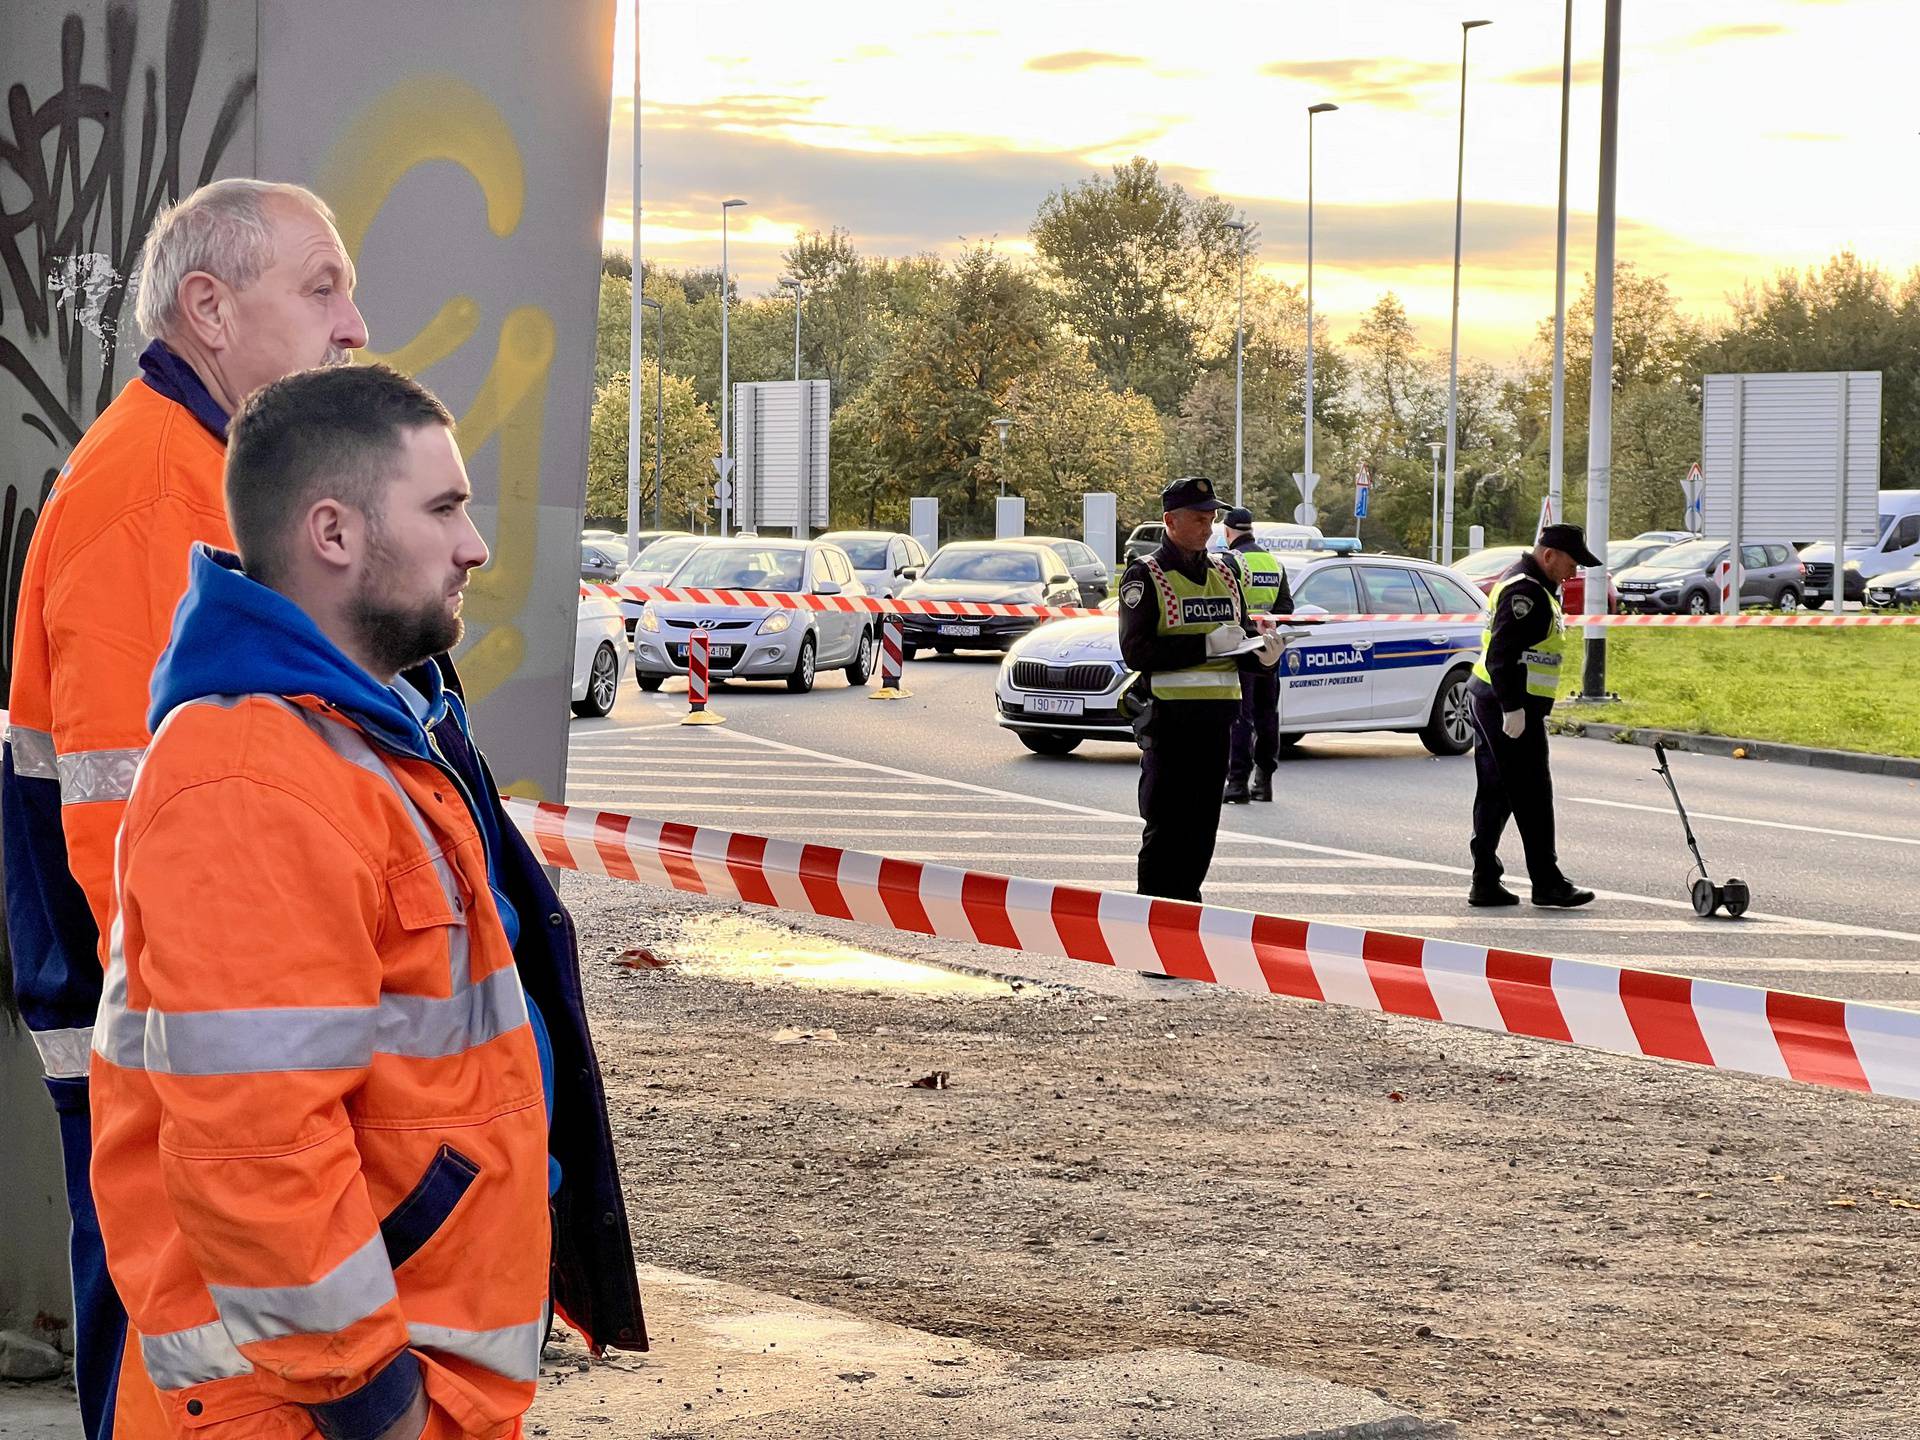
[1844, 1202]
[1900, 1204]
[639, 958]
[1395, 1096]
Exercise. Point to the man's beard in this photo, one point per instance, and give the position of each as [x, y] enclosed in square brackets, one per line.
[397, 637]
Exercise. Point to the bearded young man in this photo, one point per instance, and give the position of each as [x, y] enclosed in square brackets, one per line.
[341, 1067]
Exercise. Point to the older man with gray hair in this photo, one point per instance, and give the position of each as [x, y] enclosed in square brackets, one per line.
[239, 284]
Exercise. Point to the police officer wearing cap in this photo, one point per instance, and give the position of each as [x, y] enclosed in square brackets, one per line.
[1256, 732]
[1512, 691]
[1184, 627]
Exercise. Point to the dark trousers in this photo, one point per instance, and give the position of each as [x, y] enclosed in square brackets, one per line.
[99, 1321]
[1183, 768]
[1256, 729]
[1513, 781]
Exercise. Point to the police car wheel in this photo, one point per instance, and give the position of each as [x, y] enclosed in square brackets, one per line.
[1042, 743]
[650, 683]
[1448, 731]
[603, 685]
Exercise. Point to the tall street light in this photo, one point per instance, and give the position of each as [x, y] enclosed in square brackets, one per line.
[1453, 350]
[726, 435]
[635, 324]
[799, 290]
[1557, 430]
[1239, 370]
[1593, 680]
[1312, 110]
[659, 407]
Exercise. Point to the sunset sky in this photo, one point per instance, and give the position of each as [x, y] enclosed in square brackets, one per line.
[1754, 134]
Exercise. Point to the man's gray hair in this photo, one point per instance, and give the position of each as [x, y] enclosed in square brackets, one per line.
[222, 228]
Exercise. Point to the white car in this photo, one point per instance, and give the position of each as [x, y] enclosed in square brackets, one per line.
[599, 656]
[1065, 682]
[747, 643]
[885, 561]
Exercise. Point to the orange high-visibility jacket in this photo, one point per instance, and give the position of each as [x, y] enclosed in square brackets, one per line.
[104, 573]
[320, 1145]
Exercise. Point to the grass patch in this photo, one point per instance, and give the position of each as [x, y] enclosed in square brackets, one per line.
[1838, 689]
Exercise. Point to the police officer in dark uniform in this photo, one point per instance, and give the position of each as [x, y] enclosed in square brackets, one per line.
[1512, 691]
[1184, 628]
[1256, 732]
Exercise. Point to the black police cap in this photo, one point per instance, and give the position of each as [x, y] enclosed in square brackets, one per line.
[1194, 492]
[1572, 540]
[1239, 518]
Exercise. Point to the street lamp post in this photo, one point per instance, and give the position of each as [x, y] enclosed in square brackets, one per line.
[1453, 350]
[799, 290]
[726, 438]
[1593, 679]
[1557, 427]
[1312, 110]
[1239, 326]
[1002, 425]
[1433, 530]
[635, 327]
[659, 403]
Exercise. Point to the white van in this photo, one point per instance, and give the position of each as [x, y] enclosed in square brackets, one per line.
[1896, 548]
[1276, 536]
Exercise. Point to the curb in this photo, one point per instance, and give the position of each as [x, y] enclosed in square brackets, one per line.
[1903, 767]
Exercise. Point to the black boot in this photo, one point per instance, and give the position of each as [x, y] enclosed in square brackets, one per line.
[1563, 896]
[1263, 785]
[1488, 893]
[1236, 793]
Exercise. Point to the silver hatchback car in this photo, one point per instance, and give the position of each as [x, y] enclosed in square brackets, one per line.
[793, 645]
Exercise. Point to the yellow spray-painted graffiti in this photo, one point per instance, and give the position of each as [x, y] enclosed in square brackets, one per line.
[440, 117]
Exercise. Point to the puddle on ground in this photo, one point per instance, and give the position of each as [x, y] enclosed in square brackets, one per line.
[735, 947]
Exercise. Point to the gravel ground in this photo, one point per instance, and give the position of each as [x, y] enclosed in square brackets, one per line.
[1530, 1239]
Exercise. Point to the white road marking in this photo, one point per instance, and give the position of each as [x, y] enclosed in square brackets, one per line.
[1743, 820]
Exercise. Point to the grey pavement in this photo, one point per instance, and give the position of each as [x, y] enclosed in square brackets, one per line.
[1367, 829]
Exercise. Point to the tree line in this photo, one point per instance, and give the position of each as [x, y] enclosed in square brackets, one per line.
[1112, 351]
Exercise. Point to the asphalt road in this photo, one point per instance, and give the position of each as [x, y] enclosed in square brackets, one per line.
[1366, 829]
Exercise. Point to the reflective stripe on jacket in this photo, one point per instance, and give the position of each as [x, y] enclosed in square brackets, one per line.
[1190, 607]
[320, 1141]
[1543, 661]
[1262, 584]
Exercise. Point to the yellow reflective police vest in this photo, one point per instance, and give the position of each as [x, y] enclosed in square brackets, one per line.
[1189, 607]
[1262, 583]
[1543, 660]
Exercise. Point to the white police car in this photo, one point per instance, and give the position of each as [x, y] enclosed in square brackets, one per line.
[1065, 682]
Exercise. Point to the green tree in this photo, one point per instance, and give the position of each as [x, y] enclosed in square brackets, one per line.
[691, 440]
[951, 369]
[1131, 261]
[1845, 315]
[1071, 434]
[852, 305]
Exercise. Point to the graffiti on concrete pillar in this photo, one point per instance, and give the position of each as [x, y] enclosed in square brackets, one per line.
[89, 153]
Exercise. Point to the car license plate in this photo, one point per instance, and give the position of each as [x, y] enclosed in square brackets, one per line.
[956, 629]
[714, 652]
[1055, 705]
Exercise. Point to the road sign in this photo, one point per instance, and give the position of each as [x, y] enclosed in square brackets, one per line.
[1546, 517]
[723, 466]
[1305, 484]
[723, 491]
[1695, 489]
[1304, 514]
[1362, 488]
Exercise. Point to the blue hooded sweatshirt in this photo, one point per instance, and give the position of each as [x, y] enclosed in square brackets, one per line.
[234, 636]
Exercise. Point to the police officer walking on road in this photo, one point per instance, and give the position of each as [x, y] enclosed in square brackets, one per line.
[1512, 691]
[1184, 626]
[1256, 733]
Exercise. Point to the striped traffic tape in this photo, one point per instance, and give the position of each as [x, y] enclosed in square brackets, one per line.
[968, 609]
[1837, 1043]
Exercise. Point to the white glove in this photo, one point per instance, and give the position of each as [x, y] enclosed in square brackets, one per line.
[1269, 652]
[1223, 638]
[1513, 723]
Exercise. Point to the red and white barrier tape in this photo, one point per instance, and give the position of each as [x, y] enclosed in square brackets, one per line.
[1630, 1012]
[967, 609]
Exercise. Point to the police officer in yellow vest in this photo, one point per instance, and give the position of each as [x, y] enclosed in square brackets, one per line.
[1512, 691]
[1256, 732]
[1184, 627]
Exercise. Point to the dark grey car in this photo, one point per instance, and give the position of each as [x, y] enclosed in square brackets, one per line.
[1089, 571]
[1685, 579]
